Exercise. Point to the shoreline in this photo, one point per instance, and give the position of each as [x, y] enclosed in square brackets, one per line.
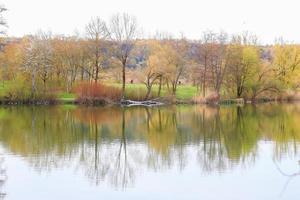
[150, 103]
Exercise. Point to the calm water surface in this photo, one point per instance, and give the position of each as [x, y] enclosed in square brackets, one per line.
[179, 152]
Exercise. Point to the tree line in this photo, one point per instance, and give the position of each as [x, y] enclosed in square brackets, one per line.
[220, 65]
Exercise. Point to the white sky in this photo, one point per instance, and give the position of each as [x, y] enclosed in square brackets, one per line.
[266, 18]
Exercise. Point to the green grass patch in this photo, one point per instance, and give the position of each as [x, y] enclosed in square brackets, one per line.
[65, 95]
[5, 87]
[66, 98]
[184, 92]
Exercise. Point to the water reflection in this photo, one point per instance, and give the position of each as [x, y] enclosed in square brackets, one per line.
[290, 176]
[3, 177]
[115, 145]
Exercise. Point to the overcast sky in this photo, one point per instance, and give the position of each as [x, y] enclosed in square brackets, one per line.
[266, 18]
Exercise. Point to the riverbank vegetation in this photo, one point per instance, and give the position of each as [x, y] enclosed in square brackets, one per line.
[111, 61]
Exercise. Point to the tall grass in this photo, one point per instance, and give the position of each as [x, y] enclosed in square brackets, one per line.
[20, 92]
[96, 93]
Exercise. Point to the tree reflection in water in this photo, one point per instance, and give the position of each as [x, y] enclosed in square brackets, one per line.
[289, 176]
[3, 177]
[115, 144]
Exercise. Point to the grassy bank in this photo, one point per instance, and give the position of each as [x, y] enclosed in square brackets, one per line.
[138, 92]
[185, 94]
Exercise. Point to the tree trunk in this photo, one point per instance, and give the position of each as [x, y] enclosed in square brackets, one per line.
[174, 87]
[239, 91]
[44, 82]
[204, 78]
[123, 79]
[96, 74]
[82, 74]
[159, 87]
[33, 86]
[148, 92]
[203, 89]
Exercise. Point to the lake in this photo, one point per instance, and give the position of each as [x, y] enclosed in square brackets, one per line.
[172, 152]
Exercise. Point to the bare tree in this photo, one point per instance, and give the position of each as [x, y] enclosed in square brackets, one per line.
[67, 58]
[3, 22]
[178, 61]
[38, 59]
[96, 32]
[205, 53]
[123, 31]
[218, 66]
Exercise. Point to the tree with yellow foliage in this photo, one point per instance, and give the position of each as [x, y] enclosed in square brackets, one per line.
[287, 64]
[156, 64]
[242, 60]
[176, 55]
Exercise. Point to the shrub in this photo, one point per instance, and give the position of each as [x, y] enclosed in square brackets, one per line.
[19, 92]
[93, 93]
[211, 98]
[198, 99]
